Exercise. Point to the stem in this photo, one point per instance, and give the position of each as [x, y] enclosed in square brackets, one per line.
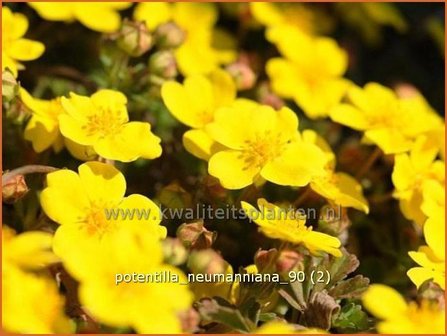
[377, 153]
[29, 169]
[302, 197]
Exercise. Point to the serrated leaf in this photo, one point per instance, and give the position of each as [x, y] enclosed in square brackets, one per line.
[351, 319]
[220, 311]
[350, 288]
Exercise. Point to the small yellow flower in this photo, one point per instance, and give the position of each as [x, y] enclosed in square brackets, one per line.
[32, 304]
[261, 144]
[310, 71]
[399, 317]
[82, 204]
[431, 258]
[15, 48]
[43, 127]
[101, 121]
[391, 123]
[340, 188]
[288, 225]
[149, 307]
[98, 16]
[411, 172]
[198, 54]
[194, 104]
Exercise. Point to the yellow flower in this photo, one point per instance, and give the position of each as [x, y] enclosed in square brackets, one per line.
[149, 307]
[411, 172]
[431, 258]
[194, 104]
[261, 143]
[15, 48]
[389, 122]
[28, 251]
[310, 71]
[101, 121]
[340, 188]
[32, 304]
[199, 53]
[399, 317]
[98, 16]
[43, 128]
[288, 225]
[89, 207]
[307, 19]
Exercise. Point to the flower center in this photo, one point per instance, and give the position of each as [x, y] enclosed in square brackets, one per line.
[96, 223]
[103, 122]
[262, 149]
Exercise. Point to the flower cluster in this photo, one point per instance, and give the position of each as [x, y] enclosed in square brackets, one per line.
[171, 107]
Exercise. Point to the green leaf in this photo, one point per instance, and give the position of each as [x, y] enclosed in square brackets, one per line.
[351, 319]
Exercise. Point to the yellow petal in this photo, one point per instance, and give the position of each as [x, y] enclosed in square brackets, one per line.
[64, 200]
[350, 116]
[318, 241]
[390, 141]
[102, 182]
[224, 88]
[146, 215]
[134, 140]
[80, 152]
[434, 233]
[74, 130]
[109, 22]
[42, 132]
[418, 275]
[18, 25]
[54, 11]
[231, 169]
[181, 105]
[153, 13]
[377, 294]
[200, 144]
[25, 50]
[113, 100]
[342, 189]
[296, 165]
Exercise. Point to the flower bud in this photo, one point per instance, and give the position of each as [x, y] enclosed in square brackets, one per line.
[14, 189]
[162, 64]
[10, 87]
[195, 235]
[134, 38]
[243, 75]
[264, 259]
[432, 292]
[267, 97]
[287, 260]
[206, 262]
[169, 36]
[174, 252]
